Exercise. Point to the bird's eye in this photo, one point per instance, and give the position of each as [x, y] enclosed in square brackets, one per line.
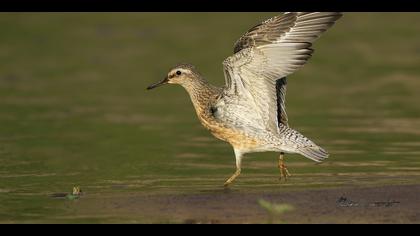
[178, 72]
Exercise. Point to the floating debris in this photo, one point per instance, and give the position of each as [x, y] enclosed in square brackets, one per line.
[75, 194]
[345, 202]
[384, 204]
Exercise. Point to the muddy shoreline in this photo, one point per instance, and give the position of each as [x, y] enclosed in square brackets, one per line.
[387, 204]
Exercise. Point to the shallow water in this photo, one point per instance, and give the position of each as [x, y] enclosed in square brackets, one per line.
[74, 110]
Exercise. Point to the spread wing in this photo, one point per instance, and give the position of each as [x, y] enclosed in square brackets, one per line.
[281, 101]
[268, 52]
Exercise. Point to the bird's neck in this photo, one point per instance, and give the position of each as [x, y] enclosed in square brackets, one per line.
[202, 94]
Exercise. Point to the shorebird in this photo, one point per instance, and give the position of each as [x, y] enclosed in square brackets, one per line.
[249, 111]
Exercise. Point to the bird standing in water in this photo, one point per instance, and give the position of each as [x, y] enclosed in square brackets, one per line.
[249, 111]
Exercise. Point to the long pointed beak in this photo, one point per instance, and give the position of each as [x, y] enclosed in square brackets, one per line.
[155, 85]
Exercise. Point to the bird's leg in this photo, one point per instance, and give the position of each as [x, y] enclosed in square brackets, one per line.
[284, 173]
[233, 177]
[238, 156]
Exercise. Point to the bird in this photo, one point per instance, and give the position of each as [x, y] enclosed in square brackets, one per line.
[249, 111]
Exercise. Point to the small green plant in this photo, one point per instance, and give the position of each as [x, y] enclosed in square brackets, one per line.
[77, 192]
[275, 210]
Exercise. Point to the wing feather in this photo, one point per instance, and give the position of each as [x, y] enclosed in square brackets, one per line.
[281, 85]
[268, 52]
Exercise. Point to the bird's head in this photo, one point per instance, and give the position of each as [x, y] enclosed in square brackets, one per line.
[183, 74]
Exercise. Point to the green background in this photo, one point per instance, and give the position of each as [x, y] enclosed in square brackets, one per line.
[74, 110]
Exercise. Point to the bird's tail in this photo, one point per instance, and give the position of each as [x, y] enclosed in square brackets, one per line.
[297, 143]
[315, 153]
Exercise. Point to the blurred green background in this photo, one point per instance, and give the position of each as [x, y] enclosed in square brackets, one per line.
[74, 109]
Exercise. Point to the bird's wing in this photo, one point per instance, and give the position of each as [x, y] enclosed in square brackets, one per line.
[268, 52]
[281, 101]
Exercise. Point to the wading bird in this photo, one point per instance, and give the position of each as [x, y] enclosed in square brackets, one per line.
[249, 111]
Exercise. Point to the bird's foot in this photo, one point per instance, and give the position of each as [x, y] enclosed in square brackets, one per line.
[226, 184]
[284, 173]
[232, 178]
